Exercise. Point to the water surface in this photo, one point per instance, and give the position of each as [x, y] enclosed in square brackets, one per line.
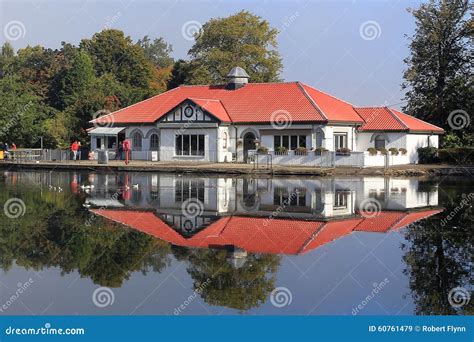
[144, 243]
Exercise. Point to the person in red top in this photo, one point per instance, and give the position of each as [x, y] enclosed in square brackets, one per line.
[126, 146]
[74, 148]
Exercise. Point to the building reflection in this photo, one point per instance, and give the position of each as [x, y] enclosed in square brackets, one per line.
[245, 215]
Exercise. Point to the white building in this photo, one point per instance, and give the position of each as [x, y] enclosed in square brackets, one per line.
[293, 121]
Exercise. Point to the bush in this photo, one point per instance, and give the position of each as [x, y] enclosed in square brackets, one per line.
[262, 150]
[320, 150]
[281, 150]
[427, 155]
[403, 151]
[393, 151]
[372, 151]
[461, 155]
[382, 150]
[344, 150]
[301, 151]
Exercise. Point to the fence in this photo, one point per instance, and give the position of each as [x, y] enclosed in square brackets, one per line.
[328, 159]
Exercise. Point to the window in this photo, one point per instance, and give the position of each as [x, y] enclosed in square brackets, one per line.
[224, 140]
[284, 198]
[98, 143]
[340, 140]
[291, 142]
[111, 142]
[340, 199]
[379, 142]
[137, 141]
[189, 145]
[154, 142]
[189, 188]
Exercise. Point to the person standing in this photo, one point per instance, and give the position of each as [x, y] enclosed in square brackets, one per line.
[126, 148]
[79, 152]
[74, 150]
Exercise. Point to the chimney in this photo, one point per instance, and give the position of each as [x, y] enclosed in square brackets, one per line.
[237, 78]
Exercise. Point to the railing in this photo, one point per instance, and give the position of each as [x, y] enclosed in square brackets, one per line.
[327, 159]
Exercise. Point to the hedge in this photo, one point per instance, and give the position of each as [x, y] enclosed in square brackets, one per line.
[458, 155]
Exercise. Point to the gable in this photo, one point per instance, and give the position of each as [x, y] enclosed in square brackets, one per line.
[188, 112]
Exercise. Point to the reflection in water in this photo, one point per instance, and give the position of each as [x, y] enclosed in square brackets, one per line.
[232, 233]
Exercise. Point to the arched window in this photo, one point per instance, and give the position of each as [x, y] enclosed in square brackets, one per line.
[137, 141]
[379, 141]
[154, 142]
[224, 140]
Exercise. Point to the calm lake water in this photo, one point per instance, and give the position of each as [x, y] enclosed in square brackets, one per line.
[144, 243]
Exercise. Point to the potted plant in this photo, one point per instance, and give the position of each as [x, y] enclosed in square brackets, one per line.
[302, 151]
[281, 150]
[393, 151]
[382, 150]
[403, 151]
[262, 150]
[372, 151]
[344, 151]
[319, 150]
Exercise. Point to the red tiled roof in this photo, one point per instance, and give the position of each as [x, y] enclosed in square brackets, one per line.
[332, 108]
[214, 107]
[256, 102]
[389, 119]
[415, 124]
[259, 235]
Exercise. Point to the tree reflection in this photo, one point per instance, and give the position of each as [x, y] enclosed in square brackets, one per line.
[54, 233]
[221, 283]
[439, 257]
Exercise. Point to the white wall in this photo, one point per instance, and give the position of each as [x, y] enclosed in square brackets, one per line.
[415, 141]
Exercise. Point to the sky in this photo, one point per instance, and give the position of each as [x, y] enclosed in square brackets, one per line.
[353, 50]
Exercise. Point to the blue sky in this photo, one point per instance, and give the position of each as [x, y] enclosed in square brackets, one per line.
[353, 50]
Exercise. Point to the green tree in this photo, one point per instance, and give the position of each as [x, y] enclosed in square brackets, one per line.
[22, 114]
[157, 51]
[242, 39]
[112, 52]
[439, 72]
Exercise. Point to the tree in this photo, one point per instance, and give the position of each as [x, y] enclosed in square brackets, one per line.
[242, 39]
[73, 81]
[113, 53]
[158, 51]
[439, 73]
[22, 114]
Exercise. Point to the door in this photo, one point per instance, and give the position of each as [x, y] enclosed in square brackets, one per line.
[249, 144]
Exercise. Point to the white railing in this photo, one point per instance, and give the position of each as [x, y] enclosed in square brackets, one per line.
[329, 159]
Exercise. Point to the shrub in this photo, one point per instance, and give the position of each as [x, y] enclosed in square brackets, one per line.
[427, 155]
[461, 155]
[281, 150]
[262, 150]
[344, 150]
[320, 150]
[301, 151]
[372, 151]
[403, 151]
[393, 151]
[382, 150]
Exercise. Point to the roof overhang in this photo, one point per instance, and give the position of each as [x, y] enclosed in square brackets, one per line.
[106, 131]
